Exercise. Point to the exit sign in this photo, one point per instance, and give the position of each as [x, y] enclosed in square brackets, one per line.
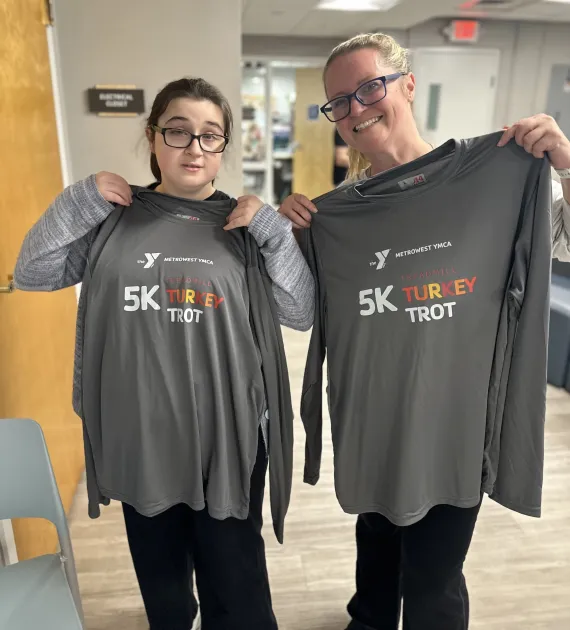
[464, 31]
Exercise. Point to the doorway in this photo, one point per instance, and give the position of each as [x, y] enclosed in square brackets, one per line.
[559, 97]
[285, 139]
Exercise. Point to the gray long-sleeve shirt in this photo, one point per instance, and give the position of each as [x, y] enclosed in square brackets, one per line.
[434, 318]
[560, 217]
[55, 251]
[56, 254]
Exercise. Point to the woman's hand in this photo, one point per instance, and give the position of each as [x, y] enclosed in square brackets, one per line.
[242, 215]
[540, 135]
[114, 188]
[297, 208]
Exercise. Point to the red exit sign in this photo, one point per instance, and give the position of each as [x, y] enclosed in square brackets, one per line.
[464, 31]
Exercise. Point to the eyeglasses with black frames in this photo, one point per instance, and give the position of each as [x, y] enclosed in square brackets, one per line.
[368, 93]
[181, 139]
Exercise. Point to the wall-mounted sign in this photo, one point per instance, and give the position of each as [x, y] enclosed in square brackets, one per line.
[248, 112]
[464, 31]
[313, 113]
[115, 100]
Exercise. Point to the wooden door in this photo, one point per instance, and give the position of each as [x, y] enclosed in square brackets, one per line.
[314, 136]
[36, 330]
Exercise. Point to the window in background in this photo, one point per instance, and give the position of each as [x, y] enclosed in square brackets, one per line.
[254, 129]
[269, 99]
[282, 89]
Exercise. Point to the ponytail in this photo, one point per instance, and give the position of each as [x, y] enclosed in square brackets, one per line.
[356, 164]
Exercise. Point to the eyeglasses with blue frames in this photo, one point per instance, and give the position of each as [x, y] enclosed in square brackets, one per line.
[368, 93]
[181, 139]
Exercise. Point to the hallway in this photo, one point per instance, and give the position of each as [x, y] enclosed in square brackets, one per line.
[518, 570]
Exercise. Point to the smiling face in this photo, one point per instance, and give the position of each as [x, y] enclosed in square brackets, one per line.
[383, 126]
[188, 172]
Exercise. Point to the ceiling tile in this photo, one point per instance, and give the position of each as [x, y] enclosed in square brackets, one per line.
[404, 15]
[543, 11]
[527, 10]
[266, 20]
[330, 23]
[300, 18]
[307, 5]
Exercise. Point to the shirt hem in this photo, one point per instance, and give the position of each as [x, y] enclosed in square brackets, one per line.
[410, 519]
[220, 514]
[525, 510]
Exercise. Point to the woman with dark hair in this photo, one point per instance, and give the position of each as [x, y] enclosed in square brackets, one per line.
[180, 375]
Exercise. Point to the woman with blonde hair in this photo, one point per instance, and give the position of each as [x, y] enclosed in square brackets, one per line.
[370, 90]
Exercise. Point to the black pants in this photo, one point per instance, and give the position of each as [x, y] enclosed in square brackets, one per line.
[421, 563]
[228, 558]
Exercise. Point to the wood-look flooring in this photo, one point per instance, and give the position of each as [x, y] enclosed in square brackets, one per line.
[518, 568]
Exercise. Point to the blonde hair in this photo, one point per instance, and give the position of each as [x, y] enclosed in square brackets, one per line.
[393, 54]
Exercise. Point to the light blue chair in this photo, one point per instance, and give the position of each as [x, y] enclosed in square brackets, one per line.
[42, 592]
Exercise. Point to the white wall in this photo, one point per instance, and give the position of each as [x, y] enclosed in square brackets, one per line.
[554, 49]
[528, 51]
[254, 45]
[148, 44]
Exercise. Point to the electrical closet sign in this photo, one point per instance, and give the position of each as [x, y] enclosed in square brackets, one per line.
[115, 100]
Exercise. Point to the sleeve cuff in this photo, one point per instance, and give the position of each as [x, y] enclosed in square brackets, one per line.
[268, 223]
[88, 195]
[311, 479]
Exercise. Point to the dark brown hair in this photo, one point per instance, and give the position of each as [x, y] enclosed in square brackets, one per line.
[197, 89]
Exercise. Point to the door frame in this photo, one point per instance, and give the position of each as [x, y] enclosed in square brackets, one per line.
[268, 163]
[8, 551]
[565, 67]
[58, 102]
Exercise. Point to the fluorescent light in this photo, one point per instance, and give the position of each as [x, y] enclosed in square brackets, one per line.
[357, 5]
[559, 1]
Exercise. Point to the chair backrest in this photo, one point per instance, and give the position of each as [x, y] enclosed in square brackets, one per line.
[28, 488]
[27, 483]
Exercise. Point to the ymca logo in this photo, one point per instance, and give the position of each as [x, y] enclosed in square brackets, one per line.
[150, 260]
[381, 259]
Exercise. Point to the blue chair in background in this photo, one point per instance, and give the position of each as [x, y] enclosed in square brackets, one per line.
[42, 592]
